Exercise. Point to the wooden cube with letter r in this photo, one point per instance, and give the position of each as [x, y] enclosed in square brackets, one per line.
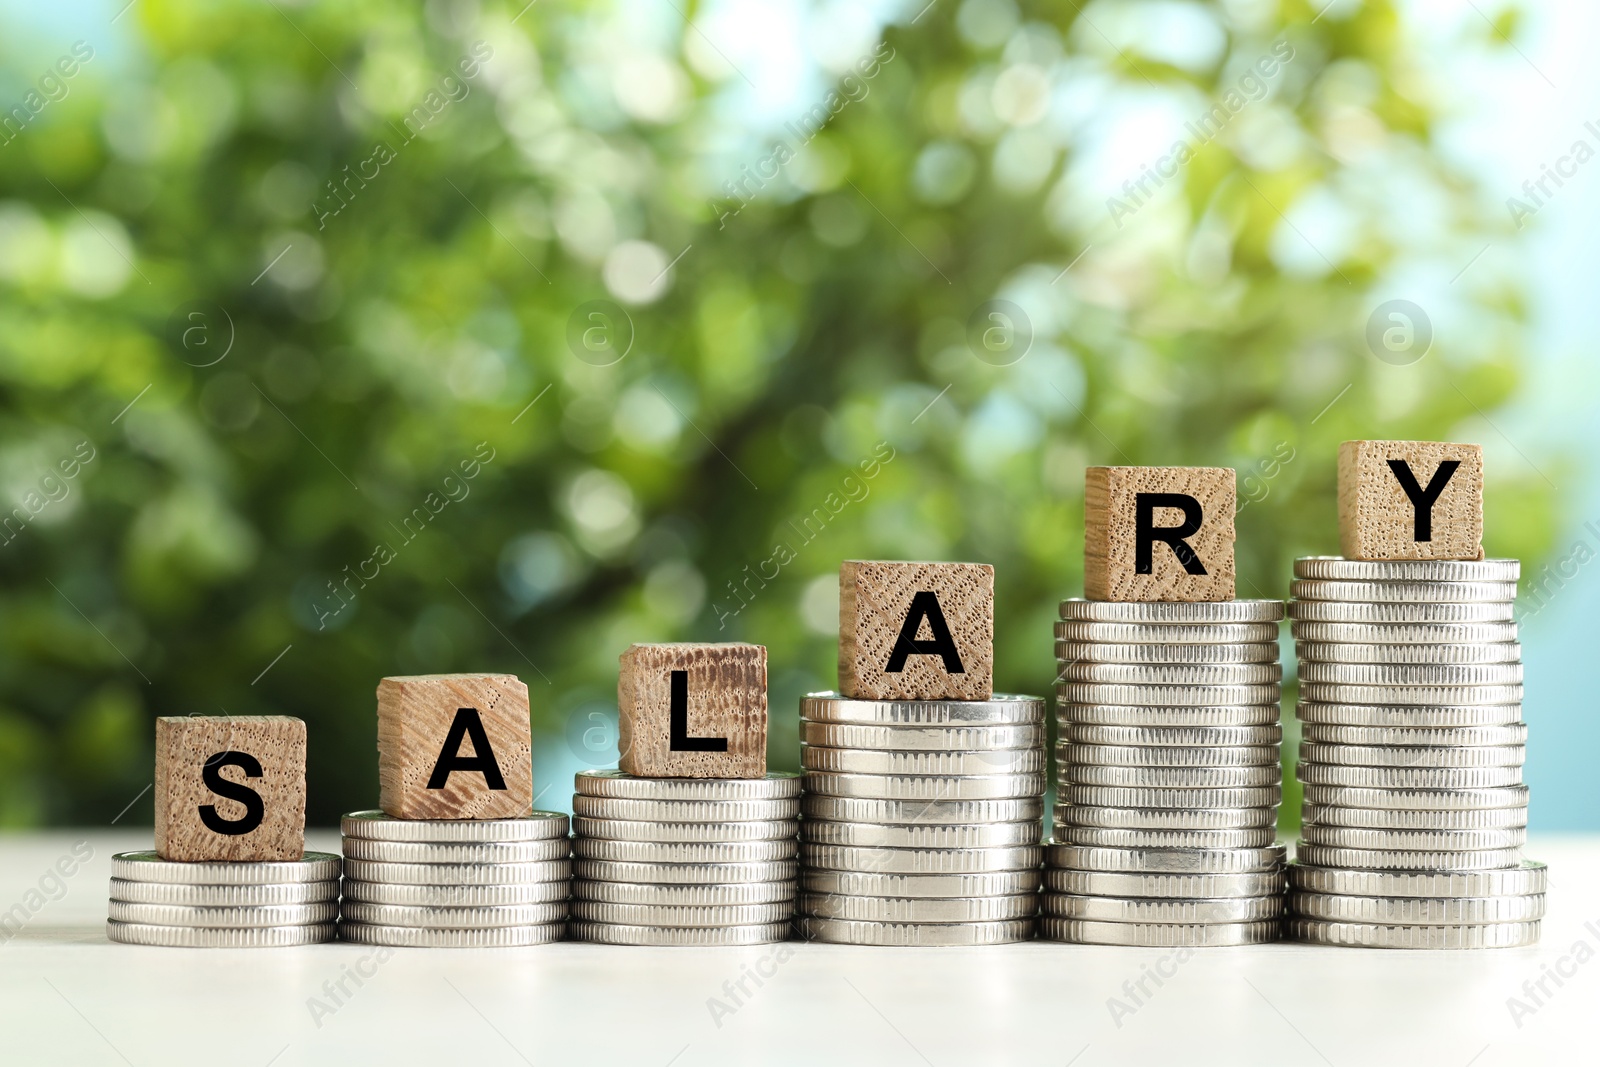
[454, 746]
[230, 787]
[916, 631]
[1410, 500]
[1158, 533]
[693, 711]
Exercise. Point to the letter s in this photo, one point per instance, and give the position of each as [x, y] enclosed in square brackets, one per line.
[254, 809]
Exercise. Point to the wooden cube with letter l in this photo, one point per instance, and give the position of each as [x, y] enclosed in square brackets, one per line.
[916, 631]
[693, 711]
[1410, 500]
[230, 787]
[454, 746]
[1158, 533]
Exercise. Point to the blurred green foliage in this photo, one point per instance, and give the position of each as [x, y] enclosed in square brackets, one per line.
[419, 318]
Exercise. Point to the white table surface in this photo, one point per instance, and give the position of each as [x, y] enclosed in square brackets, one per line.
[68, 996]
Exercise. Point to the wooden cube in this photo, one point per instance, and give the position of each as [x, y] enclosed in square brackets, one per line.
[1410, 500]
[916, 631]
[693, 711]
[230, 787]
[1158, 533]
[454, 746]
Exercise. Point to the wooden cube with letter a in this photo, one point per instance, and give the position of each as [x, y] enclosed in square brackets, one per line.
[1158, 533]
[454, 746]
[230, 787]
[693, 711]
[1410, 500]
[916, 631]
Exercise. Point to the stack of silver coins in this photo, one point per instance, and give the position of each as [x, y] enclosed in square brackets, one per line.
[684, 861]
[223, 904]
[1169, 776]
[455, 883]
[921, 820]
[1411, 756]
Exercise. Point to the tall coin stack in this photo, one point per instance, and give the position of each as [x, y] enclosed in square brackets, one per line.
[1169, 775]
[221, 903]
[1411, 757]
[684, 861]
[454, 883]
[921, 820]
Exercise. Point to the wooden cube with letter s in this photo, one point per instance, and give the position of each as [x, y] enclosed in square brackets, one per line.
[454, 746]
[230, 787]
[916, 631]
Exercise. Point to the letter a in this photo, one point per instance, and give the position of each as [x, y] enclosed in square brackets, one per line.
[1147, 533]
[1422, 499]
[467, 724]
[925, 605]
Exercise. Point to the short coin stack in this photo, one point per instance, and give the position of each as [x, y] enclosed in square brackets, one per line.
[684, 861]
[1411, 757]
[455, 883]
[223, 903]
[921, 820]
[1168, 764]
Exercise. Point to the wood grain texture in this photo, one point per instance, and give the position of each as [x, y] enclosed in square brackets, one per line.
[875, 599]
[1377, 519]
[1110, 544]
[415, 715]
[277, 743]
[726, 698]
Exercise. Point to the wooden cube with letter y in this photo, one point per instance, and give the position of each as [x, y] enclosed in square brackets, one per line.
[230, 787]
[916, 631]
[1410, 500]
[1158, 533]
[454, 746]
[693, 711]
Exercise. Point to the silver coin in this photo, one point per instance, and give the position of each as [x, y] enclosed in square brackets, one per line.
[686, 832]
[920, 886]
[686, 873]
[682, 811]
[1442, 800]
[1154, 654]
[920, 860]
[923, 738]
[871, 761]
[357, 848]
[223, 896]
[1196, 818]
[776, 785]
[225, 918]
[740, 893]
[682, 915]
[1405, 633]
[149, 867]
[1414, 755]
[535, 826]
[1138, 910]
[925, 787]
[619, 934]
[1368, 592]
[1163, 612]
[1269, 796]
[1418, 840]
[1418, 911]
[1000, 709]
[1230, 715]
[880, 835]
[1173, 777]
[593, 848]
[1438, 654]
[1528, 878]
[1359, 935]
[1335, 693]
[919, 909]
[457, 873]
[923, 812]
[1408, 674]
[454, 896]
[1168, 756]
[1354, 611]
[1167, 695]
[1338, 734]
[1157, 935]
[1164, 886]
[1438, 717]
[424, 937]
[1375, 859]
[1165, 860]
[1336, 568]
[1408, 777]
[206, 937]
[923, 935]
[1138, 633]
[1388, 819]
[1197, 736]
[1171, 673]
[481, 918]
[1112, 837]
